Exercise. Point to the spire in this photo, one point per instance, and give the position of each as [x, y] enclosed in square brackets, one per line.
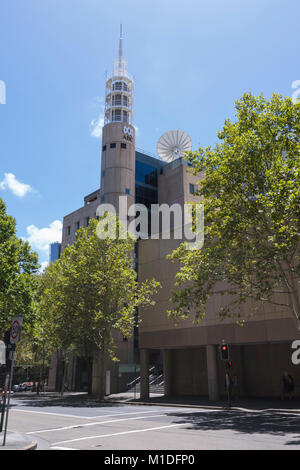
[121, 46]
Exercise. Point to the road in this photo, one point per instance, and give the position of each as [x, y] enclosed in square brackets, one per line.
[79, 425]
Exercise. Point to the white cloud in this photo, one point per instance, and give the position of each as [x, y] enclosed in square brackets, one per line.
[96, 126]
[16, 187]
[40, 238]
[44, 265]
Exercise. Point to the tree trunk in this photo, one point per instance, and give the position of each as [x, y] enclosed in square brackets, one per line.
[64, 375]
[102, 375]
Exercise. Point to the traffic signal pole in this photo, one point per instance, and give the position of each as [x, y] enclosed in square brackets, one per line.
[224, 356]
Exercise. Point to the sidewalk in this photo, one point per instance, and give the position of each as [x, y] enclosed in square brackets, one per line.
[202, 402]
[16, 441]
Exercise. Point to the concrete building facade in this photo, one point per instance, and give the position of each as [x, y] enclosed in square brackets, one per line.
[187, 354]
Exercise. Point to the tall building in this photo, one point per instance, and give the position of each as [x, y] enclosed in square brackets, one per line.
[54, 251]
[187, 354]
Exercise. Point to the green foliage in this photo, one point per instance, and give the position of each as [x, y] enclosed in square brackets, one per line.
[17, 266]
[251, 196]
[92, 291]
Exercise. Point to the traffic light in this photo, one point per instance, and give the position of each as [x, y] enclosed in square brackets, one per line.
[228, 364]
[9, 348]
[224, 350]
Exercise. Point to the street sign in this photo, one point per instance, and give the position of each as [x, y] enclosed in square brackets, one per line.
[16, 327]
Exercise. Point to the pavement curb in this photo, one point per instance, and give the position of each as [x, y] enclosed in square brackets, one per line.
[209, 407]
[31, 446]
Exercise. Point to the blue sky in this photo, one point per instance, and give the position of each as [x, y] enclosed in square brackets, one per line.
[190, 59]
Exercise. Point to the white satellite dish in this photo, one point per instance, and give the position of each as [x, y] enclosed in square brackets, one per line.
[173, 144]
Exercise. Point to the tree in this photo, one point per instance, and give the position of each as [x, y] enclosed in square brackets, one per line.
[92, 291]
[251, 197]
[17, 267]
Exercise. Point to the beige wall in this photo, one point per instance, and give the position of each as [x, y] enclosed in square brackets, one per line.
[259, 369]
[264, 322]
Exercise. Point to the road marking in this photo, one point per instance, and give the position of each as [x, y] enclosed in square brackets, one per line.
[62, 448]
[120, 433]
[93, 424]
[85, 417]
[74, 426]
[49, 413]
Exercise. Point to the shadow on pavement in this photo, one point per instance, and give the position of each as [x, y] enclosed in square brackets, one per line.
[262, 422]
[74, 401]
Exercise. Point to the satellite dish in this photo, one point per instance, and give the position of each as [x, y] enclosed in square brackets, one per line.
[173, 144]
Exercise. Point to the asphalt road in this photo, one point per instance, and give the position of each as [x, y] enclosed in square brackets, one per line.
[90, 426]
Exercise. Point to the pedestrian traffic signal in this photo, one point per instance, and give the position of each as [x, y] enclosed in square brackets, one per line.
[228, 364]
[224, 349]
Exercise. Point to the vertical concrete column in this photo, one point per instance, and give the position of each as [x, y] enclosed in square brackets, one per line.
[212, 372]
[144, 371]
[167, 364]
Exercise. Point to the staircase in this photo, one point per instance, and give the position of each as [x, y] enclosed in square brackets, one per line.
[156, 383]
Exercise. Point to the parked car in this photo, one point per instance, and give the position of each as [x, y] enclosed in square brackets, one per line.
[16, 388]
[23, 387]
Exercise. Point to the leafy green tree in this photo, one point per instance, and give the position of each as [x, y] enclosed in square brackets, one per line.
[17, 266]
[91, 292]
[251, 195]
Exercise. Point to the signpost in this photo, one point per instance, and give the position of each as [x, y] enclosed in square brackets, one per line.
[15, 335]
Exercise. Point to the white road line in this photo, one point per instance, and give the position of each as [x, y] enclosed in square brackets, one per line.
[120, 433]
[49, 413]
[62, 448]
[93, 424]
[85, 417]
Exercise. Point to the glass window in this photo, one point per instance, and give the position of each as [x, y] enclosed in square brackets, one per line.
[77, 225]
[117, 86]
[192, 188]
[103, 173]
[127, 191]
[116, 115]
[123, 146]
[146, 196]
[116, 100]
[145, 173]
[104, 148]
[69, 230]
[102, 199]
[113, 145]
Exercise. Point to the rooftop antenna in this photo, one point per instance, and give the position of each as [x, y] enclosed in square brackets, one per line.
[120, 46]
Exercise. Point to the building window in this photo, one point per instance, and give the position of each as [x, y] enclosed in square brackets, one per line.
[87, 221]
[127, 191]
[77, 225]
[102, 199]
[103, 173]
[123, 146]
[113, 145]
[116, 115]
[69, 230]
[117, 86]
[192, 188]
[116, 100]
[104, 148]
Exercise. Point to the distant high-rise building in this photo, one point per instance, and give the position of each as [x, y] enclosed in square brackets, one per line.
[54, 251]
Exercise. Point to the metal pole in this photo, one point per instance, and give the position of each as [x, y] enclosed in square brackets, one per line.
[4, 396]
[9, 394]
